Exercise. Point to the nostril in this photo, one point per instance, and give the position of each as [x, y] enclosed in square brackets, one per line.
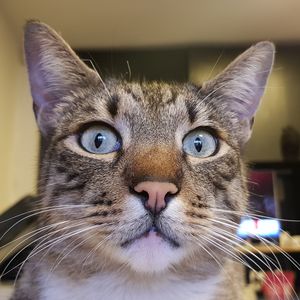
[158, 194]
[143, 196]
[169, 197]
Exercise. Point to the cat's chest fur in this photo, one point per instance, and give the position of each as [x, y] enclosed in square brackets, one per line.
[117, 288]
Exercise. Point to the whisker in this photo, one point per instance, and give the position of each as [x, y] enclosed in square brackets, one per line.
[266, 259]
[266, 243]
[236, 226]
[215, 65]
[49, 244]
[26, 217]
[44, 209]
[97, 226]
[214, 258]
[31, 234]
[238, 258]
[31, 243]
[255, 216]
[93, 251]
[228, 83]
[233, 236]
[62, 254]
[61, 257]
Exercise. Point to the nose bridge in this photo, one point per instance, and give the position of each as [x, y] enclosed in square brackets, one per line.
[156, 163]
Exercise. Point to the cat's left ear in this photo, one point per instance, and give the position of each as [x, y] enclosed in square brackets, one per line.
[241, 85]
[55, 73]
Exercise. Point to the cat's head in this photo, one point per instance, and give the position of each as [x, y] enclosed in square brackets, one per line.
[146, 175]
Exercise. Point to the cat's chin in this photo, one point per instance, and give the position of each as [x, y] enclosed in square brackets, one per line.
[152, 253]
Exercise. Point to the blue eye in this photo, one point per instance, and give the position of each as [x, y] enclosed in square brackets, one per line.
[200, 143]
[100, 139]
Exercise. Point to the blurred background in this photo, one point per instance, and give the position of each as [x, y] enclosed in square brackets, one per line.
[158, 40]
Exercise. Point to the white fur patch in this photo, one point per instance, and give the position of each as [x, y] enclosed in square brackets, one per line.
[117, 288]
[151, 254]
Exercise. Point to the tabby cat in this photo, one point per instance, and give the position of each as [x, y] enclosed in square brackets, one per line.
[141, 179]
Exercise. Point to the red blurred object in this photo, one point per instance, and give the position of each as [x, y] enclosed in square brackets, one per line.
[279, 286]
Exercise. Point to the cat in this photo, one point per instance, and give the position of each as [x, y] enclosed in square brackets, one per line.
[143, 183]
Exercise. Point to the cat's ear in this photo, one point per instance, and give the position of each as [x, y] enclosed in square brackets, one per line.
[54, 70]
[241, 85]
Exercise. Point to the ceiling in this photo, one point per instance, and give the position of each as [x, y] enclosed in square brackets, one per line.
[148, 23]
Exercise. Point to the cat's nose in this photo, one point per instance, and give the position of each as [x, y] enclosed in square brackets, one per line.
[158, 194]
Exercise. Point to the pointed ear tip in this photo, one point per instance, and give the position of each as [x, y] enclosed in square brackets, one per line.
[32, 23]
[34, 26]
[267, 46]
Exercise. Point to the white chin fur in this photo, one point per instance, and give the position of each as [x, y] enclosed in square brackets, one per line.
[151, 254]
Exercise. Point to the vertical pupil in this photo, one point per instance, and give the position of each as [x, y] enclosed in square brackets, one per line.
[99, 140]
[198, 143]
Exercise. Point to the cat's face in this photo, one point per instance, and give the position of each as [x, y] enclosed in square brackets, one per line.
[142, 172]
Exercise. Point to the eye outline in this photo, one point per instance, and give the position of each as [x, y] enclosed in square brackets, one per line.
[83, 128]
[208, 130]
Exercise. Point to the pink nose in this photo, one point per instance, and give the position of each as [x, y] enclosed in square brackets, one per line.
[157, 192]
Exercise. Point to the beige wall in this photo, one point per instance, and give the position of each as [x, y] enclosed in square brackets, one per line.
[19, 135]
[280, 106]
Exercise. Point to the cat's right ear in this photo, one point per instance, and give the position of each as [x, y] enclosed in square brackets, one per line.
[54, 70]
[240, 87]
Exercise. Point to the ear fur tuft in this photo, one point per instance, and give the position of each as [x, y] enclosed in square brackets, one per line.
[241, 85]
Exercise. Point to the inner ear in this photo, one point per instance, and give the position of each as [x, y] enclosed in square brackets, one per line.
[240, 87]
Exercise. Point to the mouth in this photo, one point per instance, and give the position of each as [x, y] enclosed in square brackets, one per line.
[153, 230]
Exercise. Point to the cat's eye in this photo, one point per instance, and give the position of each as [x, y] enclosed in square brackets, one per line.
[200, 143]
[100, 139]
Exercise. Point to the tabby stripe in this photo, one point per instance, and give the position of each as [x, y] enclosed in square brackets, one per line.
[72, 176]
[63, 159]
[90, 109]
[230, 205]
[130, 92]
[201, 203]
[196, 215]
[112, 105]
[173, 98]
[61, 169]
[104, 213]
[227, 176]
[218, 184]
[78, 186]
[60, 189]
[191, 109]
[101, 202]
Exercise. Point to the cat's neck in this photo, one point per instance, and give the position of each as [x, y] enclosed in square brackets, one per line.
[119, 286]
[194, 279]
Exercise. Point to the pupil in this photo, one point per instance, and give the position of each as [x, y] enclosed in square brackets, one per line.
[99, 140]
[198, 144]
